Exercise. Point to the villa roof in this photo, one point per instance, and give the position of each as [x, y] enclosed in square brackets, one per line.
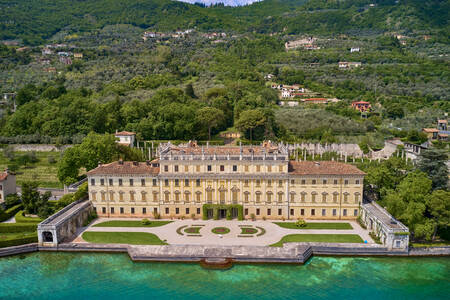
[442, 121]
[126, 168]
[360, 102]
[125, 133]
[322, 168]
[3, 176]
[430, 130]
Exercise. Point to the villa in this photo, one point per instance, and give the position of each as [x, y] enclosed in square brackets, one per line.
[251, 181]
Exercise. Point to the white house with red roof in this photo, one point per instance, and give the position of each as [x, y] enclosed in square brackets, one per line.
[126, 138]
[7, 185]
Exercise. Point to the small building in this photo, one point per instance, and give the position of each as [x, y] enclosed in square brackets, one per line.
[7, 185]
[126, 138]
[354, 50]
[315, 101]
[347, 65]
[289, 103]
[78, 55]
[230, 135]
[432, 133]
[442, 125]
[269, 76]
[47, 51]
[362, 106]
[285, 94]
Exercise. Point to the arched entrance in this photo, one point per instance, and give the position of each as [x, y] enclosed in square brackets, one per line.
[47, 237]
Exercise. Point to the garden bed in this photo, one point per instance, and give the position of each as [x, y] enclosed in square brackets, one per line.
[220, 230]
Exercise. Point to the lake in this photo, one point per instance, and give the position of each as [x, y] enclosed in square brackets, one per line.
[115, 276]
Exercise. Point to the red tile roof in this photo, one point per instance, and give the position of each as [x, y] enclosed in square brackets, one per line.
[125, 133]
[322, 168]
[430, 130]
[3, 176]
[126, 168]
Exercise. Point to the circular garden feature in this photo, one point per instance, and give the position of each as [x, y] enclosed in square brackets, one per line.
[248, 230]
[220, 230]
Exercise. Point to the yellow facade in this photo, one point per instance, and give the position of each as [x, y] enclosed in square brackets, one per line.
[265, 183]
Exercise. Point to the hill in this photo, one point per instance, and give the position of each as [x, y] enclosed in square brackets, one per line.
[271, 16]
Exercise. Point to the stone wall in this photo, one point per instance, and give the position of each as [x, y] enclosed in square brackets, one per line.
[39, 147]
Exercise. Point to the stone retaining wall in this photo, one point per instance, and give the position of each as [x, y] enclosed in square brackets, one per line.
[27, 248]
[39, 147]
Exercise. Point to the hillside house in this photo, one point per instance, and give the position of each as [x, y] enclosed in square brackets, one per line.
[348, 65]
[315, 101]
[432, 133]
[7, 185]
[78, 55]
[126, 138]
[354, 50]
[47, 51]
[362, 106]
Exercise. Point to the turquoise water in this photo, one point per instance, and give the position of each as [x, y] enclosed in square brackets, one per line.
[114, 276]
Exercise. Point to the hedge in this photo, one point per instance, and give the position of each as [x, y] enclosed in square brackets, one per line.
[228, 207]
[17, 227]
[18, 241]
[10, 212]
[20, 218]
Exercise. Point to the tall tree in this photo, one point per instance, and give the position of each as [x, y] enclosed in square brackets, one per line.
[433, 163]
[249, 120]
[210, 117]
[439, 207]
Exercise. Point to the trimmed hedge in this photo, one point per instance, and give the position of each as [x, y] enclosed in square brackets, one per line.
[228, 207]
[10, 212]
[18, 241]
[20, 218]
[17, 227]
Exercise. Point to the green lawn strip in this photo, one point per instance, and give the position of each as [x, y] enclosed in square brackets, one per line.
[323, 238]
[431, 244]
[132, 238]
[262, 231]
[248, 230]
[336, 226]
[18, 238]
[120, 223]
[20, 218]
[220, 230]
[180, 229]
[192, 230]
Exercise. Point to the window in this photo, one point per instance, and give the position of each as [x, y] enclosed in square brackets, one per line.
[313, 197]
[92, 181]
[177, 182]
[175, 168]
[258, 168]
[280, 183]
[144, 210]
[357, 181]
[131, 196]
[187, 210]
[280, 168]
[397, 244]
[346, 181]
[112, 210]
[110, 182]
[258, 182]
[132, 210]
[222, 168]
[257, 211]
[166, 168]
[246, 182]
[324, 181]
[197, 168]
[209, 168]
[104, 210]
[302, 212]
[120, 182]
[335, 197]
[303, 181]
[155, 183]
[280, 197]
[186, 182]
[246, 197]
[313, 212]
[131, 182]
[324, 212]
[334, 212]
[269, 211]
[292, 181]
[269, 168]
[102, 181]
[313, 181]
[103, 196]
[166, 182]
[280, 211]
[269, 197]
[303, 197]
[346, 197]
[324, 197]
[186, 169]
[292, 211]
[144, 196]
[209, 196]
[292, 197]
[246, 211]
[167, 210]
[142, 182]
[234, 196]
[120, 196]
[258, 197]
[344, 212]
[234, 168]
[269, 182]
[111, 196]
[177, 196]
[198, 195]
[335, 182]
[93, 196]
[155, 211]
[197, 182]
[355, 212]
[166, 197]
[155, 197]
[177, 210]
[246, 168]
[198, 210]
[186, 197]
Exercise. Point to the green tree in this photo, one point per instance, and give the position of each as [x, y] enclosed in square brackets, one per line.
[438, 204]
[433, 163]
[249, 120]
[210, 117]
[189, 91]
[30, 197]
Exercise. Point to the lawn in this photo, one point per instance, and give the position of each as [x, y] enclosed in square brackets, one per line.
[132, 238]
[193, 230]
[337, 226]
[120, 223]
[43, 171]
[324, 238]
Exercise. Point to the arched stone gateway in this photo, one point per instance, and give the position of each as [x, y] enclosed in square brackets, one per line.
[47, 237]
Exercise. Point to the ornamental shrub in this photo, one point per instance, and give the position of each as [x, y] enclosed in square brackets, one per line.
[17, 227]
[146, 222]
[300, 223]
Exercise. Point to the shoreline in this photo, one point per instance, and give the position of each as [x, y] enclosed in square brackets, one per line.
[291, 253]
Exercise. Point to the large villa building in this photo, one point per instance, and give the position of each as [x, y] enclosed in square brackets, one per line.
[227, 182]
